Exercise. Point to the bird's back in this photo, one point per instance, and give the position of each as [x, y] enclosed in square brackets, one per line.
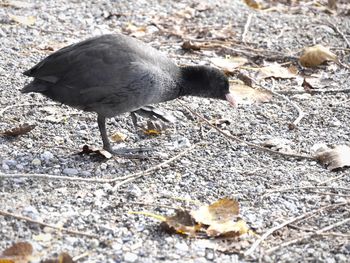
[109, 74]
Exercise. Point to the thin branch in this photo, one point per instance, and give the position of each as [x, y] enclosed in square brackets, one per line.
[290, 221]
[246, 27]
[135, 176]
[314, 91]
[124, 179]
[253, 145]
[297, 188]
[301, 113]
[73, 232]
[334, 26]
[309, 235]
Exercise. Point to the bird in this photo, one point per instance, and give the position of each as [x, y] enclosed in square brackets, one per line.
[114, 74]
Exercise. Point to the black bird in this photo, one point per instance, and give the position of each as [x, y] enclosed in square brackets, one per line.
[114, 74]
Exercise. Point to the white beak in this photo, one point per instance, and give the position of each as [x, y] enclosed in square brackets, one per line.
[231, 99]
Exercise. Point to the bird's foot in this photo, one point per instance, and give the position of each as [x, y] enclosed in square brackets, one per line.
[132, 153]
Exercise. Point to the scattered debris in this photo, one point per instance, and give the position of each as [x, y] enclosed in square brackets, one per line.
[20, 130]
[316, 55]
[247, 95]
[23, 20]
[334, 158]
[99, 152]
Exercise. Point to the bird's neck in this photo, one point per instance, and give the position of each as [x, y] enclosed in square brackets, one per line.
[192, 81]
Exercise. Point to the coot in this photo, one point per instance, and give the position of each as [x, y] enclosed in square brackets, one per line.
[114, 74]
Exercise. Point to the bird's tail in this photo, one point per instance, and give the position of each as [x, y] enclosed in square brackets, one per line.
[35, 86]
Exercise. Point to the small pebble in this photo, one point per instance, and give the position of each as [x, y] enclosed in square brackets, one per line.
[36, 162]
[70, 171]
[130, 257]
[47, 156]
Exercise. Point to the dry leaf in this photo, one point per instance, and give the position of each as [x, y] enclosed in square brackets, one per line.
[154, 127]
[182, 222]
[247, 95]
[253, 4]
[275, 70]
[20, 252]
[135, 31]
[20, 130]
[316, 55]
[188, 45]
[221, 211]
[62, 258]
[24, 20]
[279, 144]
[228, 229]
[229, 64]
[332, 4]
[336, 158]
[118, 137]
[100, 152]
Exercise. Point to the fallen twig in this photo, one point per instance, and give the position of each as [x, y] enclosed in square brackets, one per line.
[308, 235]
[314, 91]
[292, 220]
[301, 113]
[289, 189]
[253, 145]
[246, 27]
[124, 179]
[73, 232]
[334, 26]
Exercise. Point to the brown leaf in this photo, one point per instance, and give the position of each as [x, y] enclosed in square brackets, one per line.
[279, 144]
[24, 20]
[118, 137]
[221, 211]
[275, 70]
[247, 95]
[154, 128]
[316, 55]
[62, 258]
[19, 249]
[100, 152]
[336, 158]
[229, 64]
[19, 252]
[20, 130]
[182, 223]
[228, 229]
[332, 4]
[188, 45]
[253, 4]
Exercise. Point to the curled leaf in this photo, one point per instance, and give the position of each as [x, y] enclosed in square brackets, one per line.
[24, 20]
[188, 45]
[20, 130]
[182, 222]
[118, 137]
[222, 210]
[229, 64]
[336, 158]
[228, 229]
[316, 55]
[100, 152]
[247, 95]
[275, 70]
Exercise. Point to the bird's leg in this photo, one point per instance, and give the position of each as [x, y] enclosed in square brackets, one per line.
[134, 120]
[101, 121]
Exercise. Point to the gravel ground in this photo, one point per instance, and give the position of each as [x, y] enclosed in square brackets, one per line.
[213, 169]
